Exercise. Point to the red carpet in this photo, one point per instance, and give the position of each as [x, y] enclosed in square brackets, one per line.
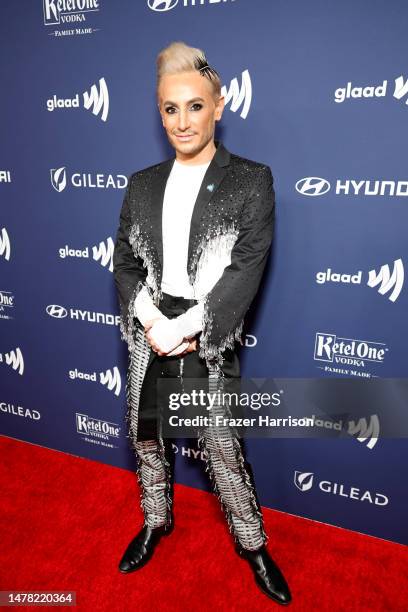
[66, 522]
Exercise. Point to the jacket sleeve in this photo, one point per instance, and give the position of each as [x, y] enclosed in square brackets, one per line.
[129, 273]
[226, 304]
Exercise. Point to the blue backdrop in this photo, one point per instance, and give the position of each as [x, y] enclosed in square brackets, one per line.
[318, 91]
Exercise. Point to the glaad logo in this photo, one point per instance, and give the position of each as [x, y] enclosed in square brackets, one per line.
[401, 88]
[162, 5]
[5, 247]
[98, 100]
[372, 91]
[110, 379]
[102, 252]
[304, 482]
[366, 432]
[388, 281]
[317, 186]
[14, 359]
[59, 312]
[95, 101]
[384, 278]
[98, 181]
[239, 95]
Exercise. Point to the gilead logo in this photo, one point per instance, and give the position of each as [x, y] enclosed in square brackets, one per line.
[304, 482]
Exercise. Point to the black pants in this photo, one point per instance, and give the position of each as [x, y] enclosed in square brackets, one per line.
[190, 366]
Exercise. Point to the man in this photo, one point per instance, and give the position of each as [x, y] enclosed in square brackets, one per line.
[194, 235]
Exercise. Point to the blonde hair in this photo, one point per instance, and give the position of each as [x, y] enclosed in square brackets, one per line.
[179, 57]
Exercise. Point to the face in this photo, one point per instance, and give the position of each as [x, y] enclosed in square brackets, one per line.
[189, 112]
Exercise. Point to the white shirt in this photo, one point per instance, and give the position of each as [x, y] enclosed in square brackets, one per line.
[182, 187]
[181, 192]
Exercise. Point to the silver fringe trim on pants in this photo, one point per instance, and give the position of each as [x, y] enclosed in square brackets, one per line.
[230, 479]
[152, 468]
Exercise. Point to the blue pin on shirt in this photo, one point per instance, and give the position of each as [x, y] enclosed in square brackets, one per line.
[211, 187]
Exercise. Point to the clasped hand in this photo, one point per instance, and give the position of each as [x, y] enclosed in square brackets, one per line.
[171, 344]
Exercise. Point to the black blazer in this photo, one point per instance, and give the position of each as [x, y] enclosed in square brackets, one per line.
[234, 213]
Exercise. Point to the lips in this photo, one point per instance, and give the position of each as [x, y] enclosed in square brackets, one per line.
[184, 136]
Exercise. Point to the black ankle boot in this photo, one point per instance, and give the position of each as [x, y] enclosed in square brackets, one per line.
[267, 574]
[141, 548]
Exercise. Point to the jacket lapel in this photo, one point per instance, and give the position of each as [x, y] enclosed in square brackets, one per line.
[211, 181]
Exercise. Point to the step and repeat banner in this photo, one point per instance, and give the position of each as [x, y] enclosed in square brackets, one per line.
[317, 91]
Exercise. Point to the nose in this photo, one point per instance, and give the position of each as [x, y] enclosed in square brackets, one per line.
[184, 120]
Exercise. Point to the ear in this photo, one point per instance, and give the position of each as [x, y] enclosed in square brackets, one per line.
[219, 108]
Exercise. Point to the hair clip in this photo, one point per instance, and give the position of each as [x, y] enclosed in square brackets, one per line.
[203, 67]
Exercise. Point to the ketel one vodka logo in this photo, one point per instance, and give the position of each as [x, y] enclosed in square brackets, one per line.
[6, 304]
[70, 13]
[304, 482]
[240, 95]
[86, 179]
[97, 101]
[333, 349]
[389, 283]
[103, 253]
[110, 379]
[5, 247]
[14, 359]
[96, 428]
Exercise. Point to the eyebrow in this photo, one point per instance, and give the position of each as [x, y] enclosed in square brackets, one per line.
[188, 101]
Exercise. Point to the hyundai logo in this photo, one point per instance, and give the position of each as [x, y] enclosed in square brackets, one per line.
[59, 312]
[312, 186]
[161, 5]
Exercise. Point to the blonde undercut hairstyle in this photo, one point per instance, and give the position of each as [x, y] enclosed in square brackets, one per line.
[179, 57]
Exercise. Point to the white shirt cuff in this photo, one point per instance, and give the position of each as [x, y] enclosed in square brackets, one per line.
[166, 334]
[190, 322]
[144, 307]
